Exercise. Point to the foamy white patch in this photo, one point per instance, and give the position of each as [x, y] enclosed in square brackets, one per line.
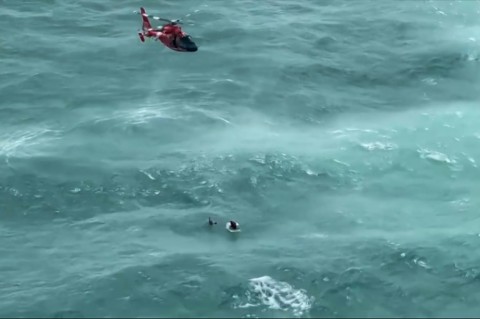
[435, 156]
[365, 130]
[148, 175]
[421, 263]
[461, 204]
[315, 236]
[337, 132]
[341, 163]
[430, 81]
[21, 143]
[378, 146]
[250, 133]
[471, 160]
[145, 114]
[277, 295]
[223, 80]
[258, 159]
[472, 57]
[209, 114]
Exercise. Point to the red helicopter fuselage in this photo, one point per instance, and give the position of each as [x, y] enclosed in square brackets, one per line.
[170, 34]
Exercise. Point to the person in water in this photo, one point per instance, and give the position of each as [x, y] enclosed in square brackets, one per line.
[233, 225]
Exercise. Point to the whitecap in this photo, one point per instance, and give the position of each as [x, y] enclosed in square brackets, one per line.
[210, 114]
[436, 156]
[341, 163]
[430, 81]
[378, 146]
[277, 295]
[315, 236]
[148, 174]
[143, 115]
[15, 143]
[471, 160]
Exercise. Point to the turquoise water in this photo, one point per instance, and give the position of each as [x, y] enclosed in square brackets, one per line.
[342, 135]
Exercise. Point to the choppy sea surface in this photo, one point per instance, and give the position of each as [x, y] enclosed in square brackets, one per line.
[343, 136]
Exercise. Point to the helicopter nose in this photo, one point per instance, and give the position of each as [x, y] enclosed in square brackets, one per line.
[192, 48]
[187, 44]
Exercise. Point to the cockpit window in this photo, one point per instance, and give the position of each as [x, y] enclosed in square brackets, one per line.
[186, 40]
[186, 43]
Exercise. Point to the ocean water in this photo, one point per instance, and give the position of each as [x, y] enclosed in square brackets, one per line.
[342, 135]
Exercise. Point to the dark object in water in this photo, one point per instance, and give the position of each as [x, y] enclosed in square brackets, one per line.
[233, 225]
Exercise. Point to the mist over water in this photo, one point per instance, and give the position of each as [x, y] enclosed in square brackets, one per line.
[343, 136]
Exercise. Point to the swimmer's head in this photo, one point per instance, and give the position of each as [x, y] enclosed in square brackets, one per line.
[233, 225]
[211, 222]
